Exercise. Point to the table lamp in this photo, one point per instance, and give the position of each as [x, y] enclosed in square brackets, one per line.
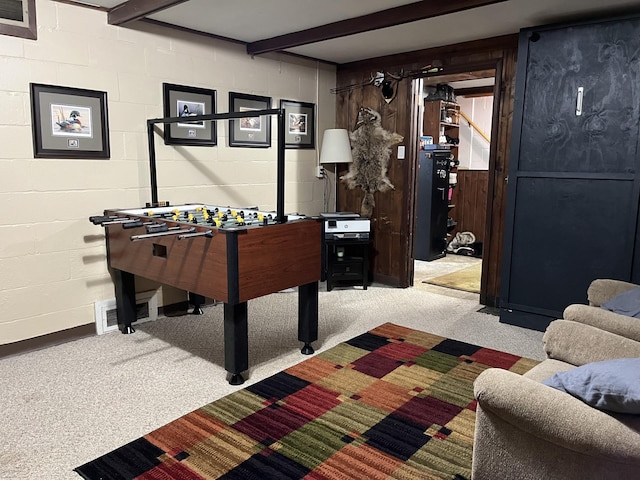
[335, 149]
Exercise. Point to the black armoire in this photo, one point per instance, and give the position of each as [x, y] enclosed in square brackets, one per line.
[572, 208]
[432, 204]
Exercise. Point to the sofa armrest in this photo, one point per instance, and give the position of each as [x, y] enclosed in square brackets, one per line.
[623, 325]
[578, 344]
[603, 289]
[557, 417]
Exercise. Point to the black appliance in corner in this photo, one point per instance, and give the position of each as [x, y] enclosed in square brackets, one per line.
[432, 207]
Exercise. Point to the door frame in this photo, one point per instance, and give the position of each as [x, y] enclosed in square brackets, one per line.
[498, 91]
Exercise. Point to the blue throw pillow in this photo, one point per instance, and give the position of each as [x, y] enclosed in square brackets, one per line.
[627, 303]
[612, 385]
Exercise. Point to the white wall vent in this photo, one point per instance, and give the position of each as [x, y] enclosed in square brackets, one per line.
[107, 318]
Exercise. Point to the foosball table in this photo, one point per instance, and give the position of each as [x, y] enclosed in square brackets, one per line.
[228, 254]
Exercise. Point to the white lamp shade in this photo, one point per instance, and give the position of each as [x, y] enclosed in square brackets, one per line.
[335, 146]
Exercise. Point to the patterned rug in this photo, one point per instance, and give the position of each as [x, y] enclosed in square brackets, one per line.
[391, 403]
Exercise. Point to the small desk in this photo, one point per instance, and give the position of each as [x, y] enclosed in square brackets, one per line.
[347, 261]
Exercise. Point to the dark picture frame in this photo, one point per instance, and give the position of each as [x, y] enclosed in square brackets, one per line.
[69, 122]
[250, 131]
[181, 100]
[18, 19]
[300, 124]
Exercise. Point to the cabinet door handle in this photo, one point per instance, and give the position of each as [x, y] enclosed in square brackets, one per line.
[579, 101]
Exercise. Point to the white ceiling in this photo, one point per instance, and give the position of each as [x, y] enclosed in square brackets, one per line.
[253, 20]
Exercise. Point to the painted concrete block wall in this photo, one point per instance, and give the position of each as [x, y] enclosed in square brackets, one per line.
[52, 259]
[474, 149]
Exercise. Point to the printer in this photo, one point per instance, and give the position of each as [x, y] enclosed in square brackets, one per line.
[345, 225]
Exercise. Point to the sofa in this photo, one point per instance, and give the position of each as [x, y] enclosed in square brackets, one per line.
[530, 431]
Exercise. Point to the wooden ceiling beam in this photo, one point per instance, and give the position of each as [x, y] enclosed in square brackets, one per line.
[133, 10]
[373, 21]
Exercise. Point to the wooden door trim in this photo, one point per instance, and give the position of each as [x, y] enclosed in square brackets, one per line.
[496, 66]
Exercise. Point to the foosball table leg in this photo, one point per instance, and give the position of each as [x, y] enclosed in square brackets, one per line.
[125, 300]
[236, 341]
[308, 316]
[197, 301]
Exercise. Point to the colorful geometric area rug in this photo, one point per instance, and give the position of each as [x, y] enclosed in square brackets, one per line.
[391, 403]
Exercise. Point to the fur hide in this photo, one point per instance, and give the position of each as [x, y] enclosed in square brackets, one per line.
[370, 149]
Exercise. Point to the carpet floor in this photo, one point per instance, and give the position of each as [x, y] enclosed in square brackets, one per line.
[393, 402]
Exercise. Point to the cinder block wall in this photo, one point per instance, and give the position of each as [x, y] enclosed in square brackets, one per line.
[52, 260]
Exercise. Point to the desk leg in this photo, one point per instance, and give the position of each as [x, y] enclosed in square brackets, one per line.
[308, 316]
[125, 300]
[236, 341]
[365, 267]
[197, 301]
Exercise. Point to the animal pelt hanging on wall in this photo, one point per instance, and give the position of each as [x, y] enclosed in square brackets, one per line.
[370, 149]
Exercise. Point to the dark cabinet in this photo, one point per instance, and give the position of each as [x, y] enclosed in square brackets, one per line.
[432, 207]
[347, 262]
[572, 209]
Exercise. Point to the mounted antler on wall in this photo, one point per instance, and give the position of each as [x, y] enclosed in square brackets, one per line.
[388, 82]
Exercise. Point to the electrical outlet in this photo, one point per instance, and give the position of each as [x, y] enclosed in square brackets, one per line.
[320, 171]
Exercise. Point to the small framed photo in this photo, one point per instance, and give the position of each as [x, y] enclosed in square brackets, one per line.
[249, 131]
[183, 101]
[69, 122]
[300, 124]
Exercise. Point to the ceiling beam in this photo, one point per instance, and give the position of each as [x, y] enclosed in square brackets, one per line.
[133, 10]
[373, 21]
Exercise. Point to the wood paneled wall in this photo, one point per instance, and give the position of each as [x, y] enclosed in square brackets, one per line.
[389, 222]
[470, 200]
[393, 215]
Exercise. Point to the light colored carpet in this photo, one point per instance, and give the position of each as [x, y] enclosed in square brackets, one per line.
[68, 404]
[467, 279]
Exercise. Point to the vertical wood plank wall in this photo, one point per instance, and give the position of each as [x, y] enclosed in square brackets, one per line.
[470, 200]
[394, 212]
[389, 221]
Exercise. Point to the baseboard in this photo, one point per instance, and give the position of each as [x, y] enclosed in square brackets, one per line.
[48, 340]
[532, 321]
[75, 333]
[385, 280]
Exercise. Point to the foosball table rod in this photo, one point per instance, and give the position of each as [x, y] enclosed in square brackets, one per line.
[146, 236]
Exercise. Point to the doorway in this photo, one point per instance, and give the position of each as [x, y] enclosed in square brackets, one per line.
[455, 112]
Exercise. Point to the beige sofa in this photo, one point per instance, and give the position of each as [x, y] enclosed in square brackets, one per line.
[527, 430]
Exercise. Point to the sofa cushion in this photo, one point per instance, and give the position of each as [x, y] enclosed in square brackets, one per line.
[547, 368]
[627, 303]
[612, 385]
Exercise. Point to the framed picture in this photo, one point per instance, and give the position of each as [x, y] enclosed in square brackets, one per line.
[69, 122]
[249, 131]
[18, 18]
[300, 124]
[183, 101]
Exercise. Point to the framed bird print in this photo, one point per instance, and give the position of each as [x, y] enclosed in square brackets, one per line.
[300, 124]
[69, 122]
[249, 131]
[185, 102]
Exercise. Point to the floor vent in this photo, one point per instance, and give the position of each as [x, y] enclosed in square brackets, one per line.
[106, 313]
